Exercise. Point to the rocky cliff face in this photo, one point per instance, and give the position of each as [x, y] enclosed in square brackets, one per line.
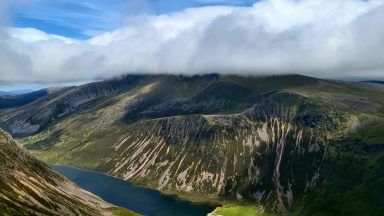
[30, 187]
[266, 154]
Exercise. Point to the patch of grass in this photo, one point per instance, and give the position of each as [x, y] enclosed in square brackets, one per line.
[47, 143]
[381, 112]
[238, 211]
[116, 211]
[371, 133]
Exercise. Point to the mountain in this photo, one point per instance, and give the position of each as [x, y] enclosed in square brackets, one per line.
[375, 81]
[17, 100]
[30, 187]
[288, 144]
[16, 92]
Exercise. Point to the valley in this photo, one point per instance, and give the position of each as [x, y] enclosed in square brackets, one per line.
[287, 144]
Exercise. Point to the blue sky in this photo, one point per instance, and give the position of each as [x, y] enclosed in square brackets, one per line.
[82, 19]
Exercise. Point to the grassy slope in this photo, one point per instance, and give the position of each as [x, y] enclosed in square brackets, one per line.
[360, 165]
[238, 211]
[354, 186]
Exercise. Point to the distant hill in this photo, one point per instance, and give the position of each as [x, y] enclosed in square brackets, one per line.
[9, 100]
[16, 92]
[375, 81]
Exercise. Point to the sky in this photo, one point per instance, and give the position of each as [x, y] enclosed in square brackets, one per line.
[87, 18]
[70, 41]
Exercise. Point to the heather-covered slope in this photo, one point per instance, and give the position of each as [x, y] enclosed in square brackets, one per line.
[30, 187]
[286, 143]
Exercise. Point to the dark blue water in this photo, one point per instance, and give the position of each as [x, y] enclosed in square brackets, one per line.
[122, 193]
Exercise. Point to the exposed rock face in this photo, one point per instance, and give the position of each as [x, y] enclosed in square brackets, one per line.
[30, 187]
[265, 154]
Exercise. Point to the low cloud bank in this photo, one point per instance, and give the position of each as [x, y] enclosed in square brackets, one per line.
[323, 38]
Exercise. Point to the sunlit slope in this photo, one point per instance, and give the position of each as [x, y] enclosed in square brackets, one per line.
[279, 141]
[30, 187]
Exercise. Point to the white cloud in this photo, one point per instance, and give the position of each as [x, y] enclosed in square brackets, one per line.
[325, 38]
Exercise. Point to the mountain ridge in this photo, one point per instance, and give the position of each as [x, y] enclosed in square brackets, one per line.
[272, 141]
